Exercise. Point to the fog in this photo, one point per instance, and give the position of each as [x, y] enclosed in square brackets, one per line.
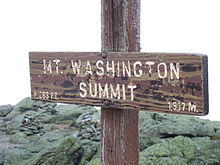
[75, 25]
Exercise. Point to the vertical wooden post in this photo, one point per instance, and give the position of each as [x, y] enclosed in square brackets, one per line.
[120, 32]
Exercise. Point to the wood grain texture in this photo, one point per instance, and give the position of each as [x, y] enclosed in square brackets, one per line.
[151, 92]
[120, 32]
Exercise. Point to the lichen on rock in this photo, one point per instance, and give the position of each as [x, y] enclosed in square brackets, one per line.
[41, 133]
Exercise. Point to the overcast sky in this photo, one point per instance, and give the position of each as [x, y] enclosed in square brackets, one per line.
[190, 26]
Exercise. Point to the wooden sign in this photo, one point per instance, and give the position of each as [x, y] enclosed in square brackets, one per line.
[163, 82]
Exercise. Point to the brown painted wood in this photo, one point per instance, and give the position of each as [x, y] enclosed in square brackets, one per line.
[120, 32]
[155, 89]
[53, 79]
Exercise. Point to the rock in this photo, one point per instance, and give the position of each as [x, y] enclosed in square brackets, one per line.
[10, 127]
[91, 150]
[169, 125]
[68, 113]
[178, 139]
[64, 151]
[25, 104]
[146, 141]
[90, 130]
[67, 151]
[14, 156]
[89, 126]
[86, 135]
[19, 138]
[95, 161]
[53, 136]
[96, 138]
[43, 133]
[31, 124]
[182, 150]
[23, 129]
[46, 106]
[5, 109]
[92, 117]
[75, 134]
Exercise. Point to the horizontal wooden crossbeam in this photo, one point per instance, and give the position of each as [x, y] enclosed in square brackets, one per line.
[163, 82]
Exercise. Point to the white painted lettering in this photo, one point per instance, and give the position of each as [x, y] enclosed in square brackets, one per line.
[112, 68]
[123, 92]
[183, 105]
[76, 66]
[56, 61]
[99, 65]
[150, 63]
[82, 88]
[191, 107]
[88, 68]
[180, 106]
[132, 87]
[165, 70]
[174, 106]
[115, 93]
[140, 72]
[45, 95]
[126, 69]
[118, 69]
[103, 92]
[47, 68]
[175, 70]
[91, 88]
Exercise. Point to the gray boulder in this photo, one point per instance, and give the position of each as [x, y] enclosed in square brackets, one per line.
[63, 151]
[170, 125]
[66, 151]
[5, 109]
[41, 133]
[182, 150]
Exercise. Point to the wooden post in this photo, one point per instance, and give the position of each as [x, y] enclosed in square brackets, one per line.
[69, 80]
[120, 32]
[66, 77]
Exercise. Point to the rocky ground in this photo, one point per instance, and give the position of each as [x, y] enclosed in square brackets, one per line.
[37, 133]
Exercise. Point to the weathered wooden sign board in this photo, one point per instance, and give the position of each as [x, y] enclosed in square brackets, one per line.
[165, 82]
